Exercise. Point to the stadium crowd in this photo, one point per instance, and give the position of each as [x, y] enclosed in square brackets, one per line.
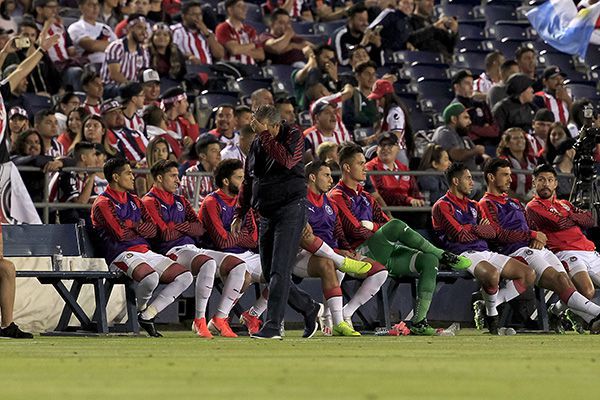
[190, 89]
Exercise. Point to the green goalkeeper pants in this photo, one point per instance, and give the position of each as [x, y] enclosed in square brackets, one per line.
[406, 253]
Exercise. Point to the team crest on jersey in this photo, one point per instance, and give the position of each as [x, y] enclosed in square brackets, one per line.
[179, 206]
[128, 255]
[474, 212]
[479, 112]
[573, 259]
[133, 206]
[328, 209]
[405, 178]
[528, 252]
[513, 204]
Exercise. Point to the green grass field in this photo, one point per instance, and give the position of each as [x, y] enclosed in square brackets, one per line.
[180, 366]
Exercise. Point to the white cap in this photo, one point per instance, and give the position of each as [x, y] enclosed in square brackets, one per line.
[150, 75]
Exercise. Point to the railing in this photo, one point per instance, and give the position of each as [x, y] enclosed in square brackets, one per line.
[46, 205]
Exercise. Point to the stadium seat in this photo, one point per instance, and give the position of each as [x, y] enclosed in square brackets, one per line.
[410, 101]
[592, 57]
[327, 28]
[303, 28]
[460, 11]
[314, 39]
[509, 31]
[471, 59]
[68, 21]
[540, 46]
[419, 121]
[210, 100]
[471, 31]
[473, 45]
[579, 91]
[254, 12]
[426, 71]
[565, 62]
[435, 95]
[494, 13]
[248, 85]
[408, 57]
[282, 74]
[508, 46]
[34, 103]
[259, 26]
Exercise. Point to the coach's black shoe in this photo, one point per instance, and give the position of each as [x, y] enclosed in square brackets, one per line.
[13, 331]
[148, 325]
[311, 321]
[594, 325]
[266, 336]
[492, 324]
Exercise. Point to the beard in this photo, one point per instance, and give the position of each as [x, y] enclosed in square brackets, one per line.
[463, 130]
[544, 194]
[233, 189]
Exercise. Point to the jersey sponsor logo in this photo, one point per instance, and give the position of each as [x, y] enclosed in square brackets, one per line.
[328, 209]
[312, 209]
[179, 206]
[128, 255]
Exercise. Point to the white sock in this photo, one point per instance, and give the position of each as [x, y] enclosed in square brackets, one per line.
[583, 307]
[204, 284]
[168, 294]
[231, 290]
[326, 251]
[491, 301]
[335, 303]
[144, 290]
[260, 305]
[367, 289]
[507, 293]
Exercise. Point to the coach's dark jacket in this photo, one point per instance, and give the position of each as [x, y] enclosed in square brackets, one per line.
[274, 172]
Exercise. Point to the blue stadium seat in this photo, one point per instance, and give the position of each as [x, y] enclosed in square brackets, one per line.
[210, 99]
[494, 13]
[471, 59]
[426, 71]
[565, 62]
[460, 11]
[166, 84]
[259, 26]
[435, 95]
[303, 28]
[471, 31]
[283, 74]
[68, 21]
[327, 28]
[580, 91]
[473, 45]
[34, 103]
[509, 31]
[508, 46]
[249, 85]
[408, 57]
[410, 101]
[314, 39]
[592, 57]
[419, 121]
[540, 46]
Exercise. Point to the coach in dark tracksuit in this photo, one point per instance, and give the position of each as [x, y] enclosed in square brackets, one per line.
[274, 185]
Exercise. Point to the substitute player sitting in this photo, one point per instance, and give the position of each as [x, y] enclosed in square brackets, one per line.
[456, 221]
[123, 225]
[325, 224]
[563, 223]
[391, 242]
[178, 225]
[514, 238]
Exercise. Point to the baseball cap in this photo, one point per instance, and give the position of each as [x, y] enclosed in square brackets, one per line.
[380, 89]
[150, 75]
[110, 105]
[460, 75]
[553, 71]
[17, 111]
[319, 105]
[517, 84]
[453, 110]
[388, 138]
[206, 139]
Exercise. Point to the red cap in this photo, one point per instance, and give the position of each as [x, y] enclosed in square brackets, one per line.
[380, 89]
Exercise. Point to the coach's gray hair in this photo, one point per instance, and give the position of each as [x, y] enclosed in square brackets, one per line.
[269, 113]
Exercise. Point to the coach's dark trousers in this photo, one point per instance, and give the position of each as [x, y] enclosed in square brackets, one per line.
[279, 243]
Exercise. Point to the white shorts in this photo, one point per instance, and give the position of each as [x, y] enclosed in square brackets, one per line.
[251, 259]
[185, 254]
[496, 259]
[578, 261]
[300, 268]
[539, 260]
[128, 261]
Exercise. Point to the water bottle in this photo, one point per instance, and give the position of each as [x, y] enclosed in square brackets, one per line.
[57, 259]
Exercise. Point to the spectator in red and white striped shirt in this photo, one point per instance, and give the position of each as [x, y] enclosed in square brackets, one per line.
[555, 96]
[125, 57]
[491, 76]
[94, 89]
[128, 143]
[63, 51]
[132, 95]
[194, 39]
[324, 129]
[179, 119]
[239, 39]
